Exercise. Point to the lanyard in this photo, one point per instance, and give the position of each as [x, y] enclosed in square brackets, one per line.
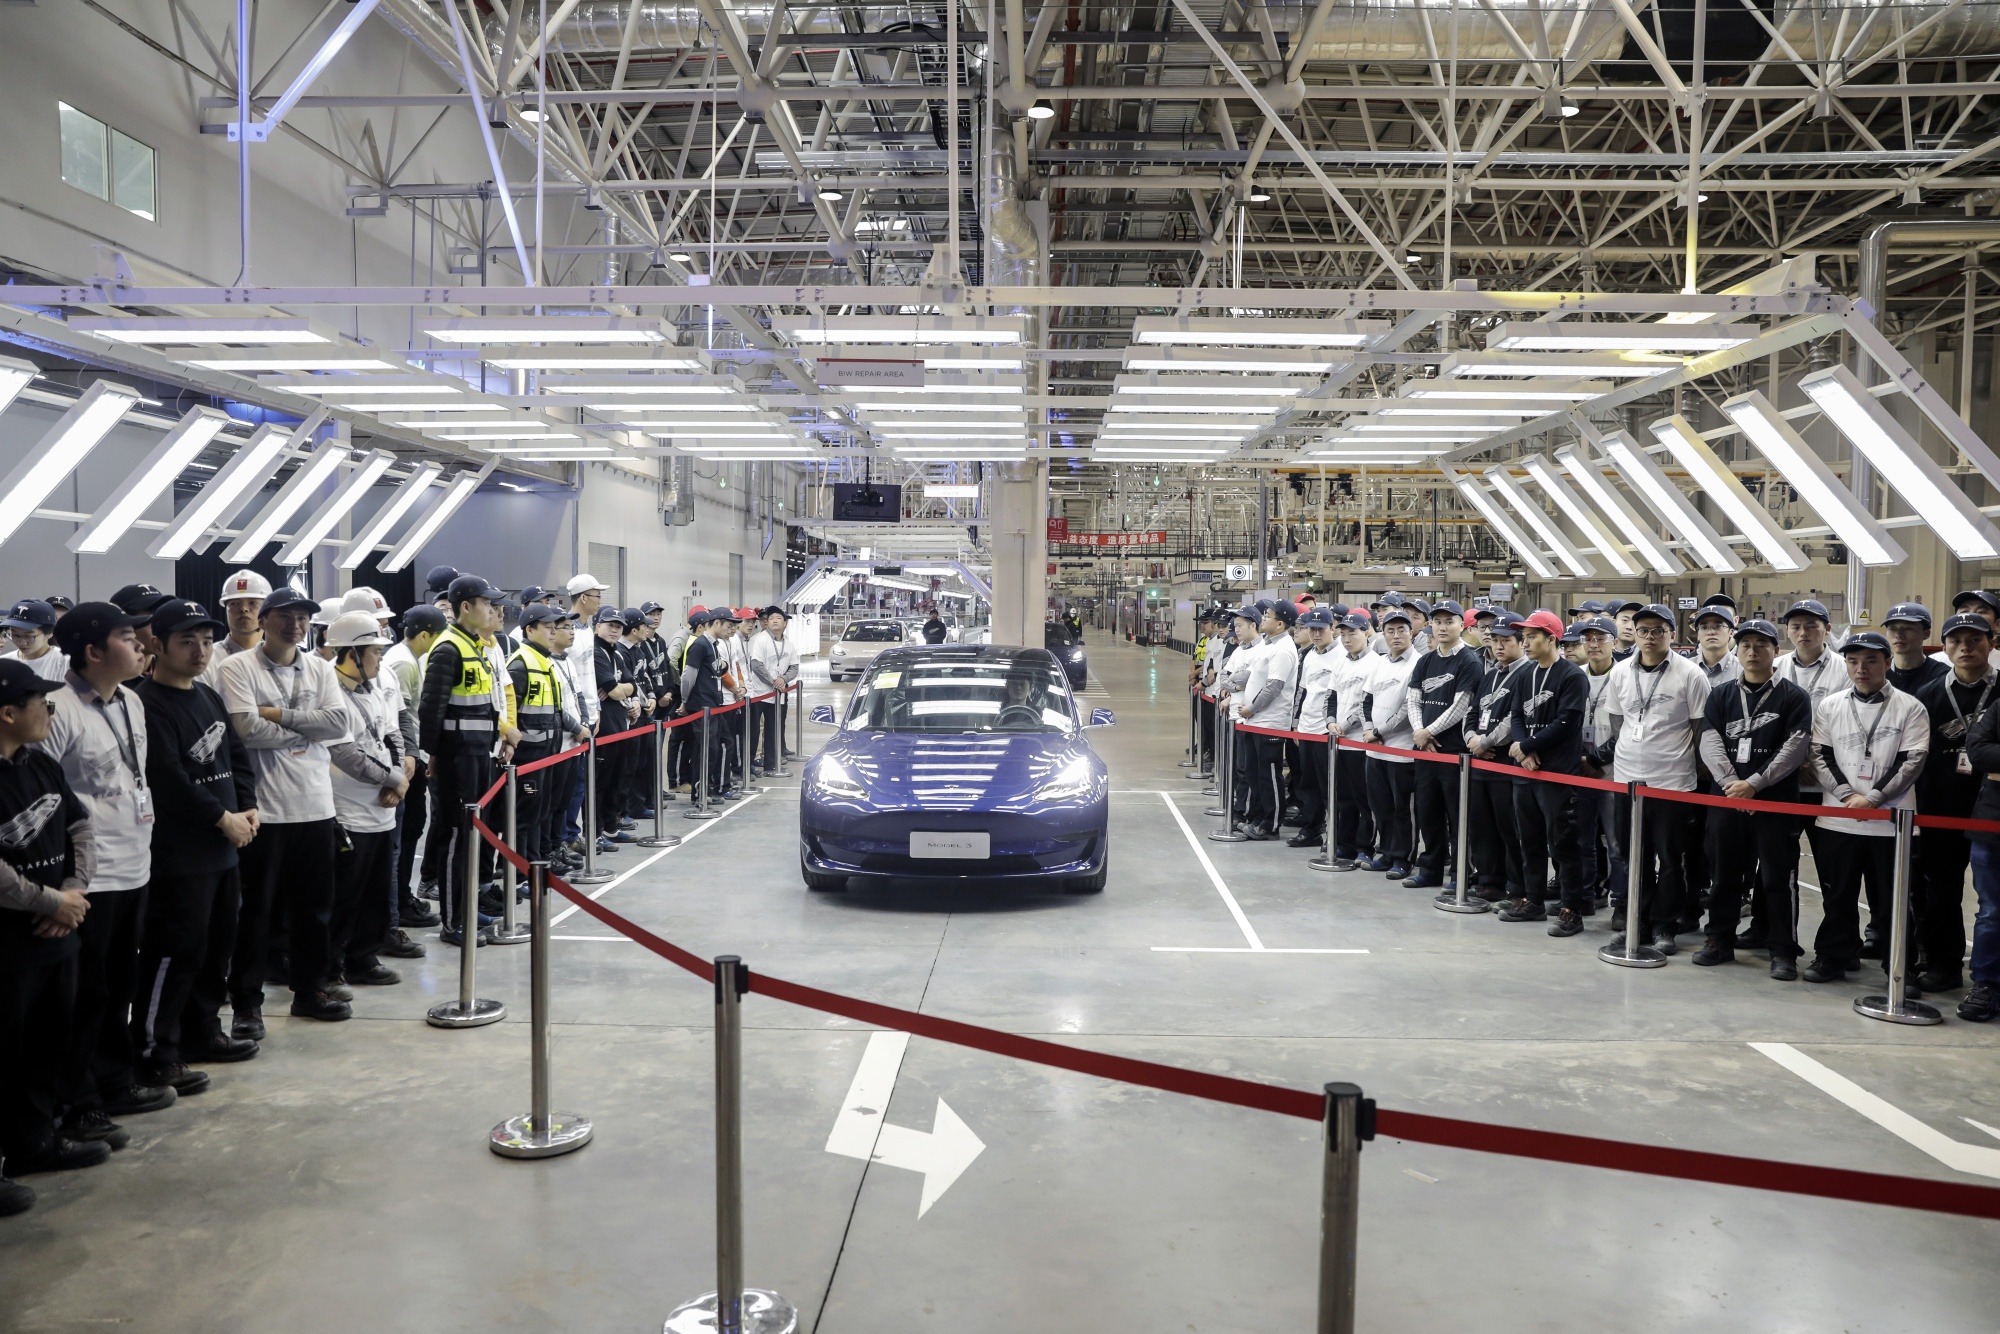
[1819, 671]
[1646, 701]
[1951, 698]
[1535, 684]
[1868, 737]
[128, 742]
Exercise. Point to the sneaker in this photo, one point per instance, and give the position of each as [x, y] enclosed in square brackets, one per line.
[1256, 833]
[646, 814]
[185, 1082]
[451, 935]
[1345, 864]
[320, 1005]
[1664, 942]
[1493, 894]
[1567, 923]
[428, 890]
[1981, 1003]
[1912, 990]
[338, 988]
[625, 823]
[491, 901]
[96, 1127]
[1374, 861]
[1524, 910]
[1303, 840]
[1784, 970]
[400, 946]
[247, 1025]
[220, 1049]
[1937, 981]
[15, 1198]
[1715, 950]
[1423, 880]
[605, 845]
[1618, 920]
[1396, 871]
[1747, 939]
[1824, 970]
[139, 1099]
[412, 912]
[60, 1154]
[1872, 947]
[377, 976]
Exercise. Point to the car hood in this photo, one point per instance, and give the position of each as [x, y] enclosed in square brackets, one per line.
[963, 771]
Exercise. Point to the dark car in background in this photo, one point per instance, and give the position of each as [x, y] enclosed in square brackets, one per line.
[1067, 648]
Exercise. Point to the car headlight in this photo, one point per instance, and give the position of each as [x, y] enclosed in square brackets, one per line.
[1076, 655]
[840, 653]
[1075, 780]
[832, 778]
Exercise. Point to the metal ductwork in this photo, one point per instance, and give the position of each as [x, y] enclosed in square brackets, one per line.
[1365, 30]
[1853, 30]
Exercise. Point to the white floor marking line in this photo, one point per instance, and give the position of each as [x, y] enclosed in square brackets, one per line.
[1976, 1159]
[862, 1129]
[686, 839]
[1214, 878]
[612, 940]
[1242, 949]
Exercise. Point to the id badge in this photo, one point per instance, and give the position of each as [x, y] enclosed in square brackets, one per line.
[145, 804]
[1593, 734]
[1964, 762]
[1485, 721]
[1864, 770]
[1743, 751]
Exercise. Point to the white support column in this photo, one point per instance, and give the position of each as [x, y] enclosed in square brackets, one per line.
[1020, 539]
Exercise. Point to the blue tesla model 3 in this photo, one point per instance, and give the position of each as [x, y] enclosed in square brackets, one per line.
[958, 762]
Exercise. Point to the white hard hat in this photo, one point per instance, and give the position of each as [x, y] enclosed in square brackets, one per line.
[328, 613]
[584, 583]
[245, 584]
[368, 600]
[354, 629]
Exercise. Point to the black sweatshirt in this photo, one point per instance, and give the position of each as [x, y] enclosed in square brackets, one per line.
[1777, 716]
[1549, 704]
[198, 769]
[1445, 690]
[1941, 788]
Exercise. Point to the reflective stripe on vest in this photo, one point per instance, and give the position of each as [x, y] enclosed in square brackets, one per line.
[470, 707]
[539, 713]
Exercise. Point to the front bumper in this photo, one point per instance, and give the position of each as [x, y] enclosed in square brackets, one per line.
[836, 840]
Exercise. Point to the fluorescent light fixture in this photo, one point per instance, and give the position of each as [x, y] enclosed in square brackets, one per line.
[1566, 366]
[1548, 397]
[1598, 486]
[722, 435]
[15, 376]
[61, 451]
[949, 435]
[1866, 540]
[388, 516]
[1151, 404]
[456, 493]
[1539, 520]
[1506, 527]
[941, 390]
[461, 423]
[1456, 430]
[993, 329]
[942, 421]
[1499, 418]
[115, 517]
[314, 530]
[420, 405]
[507, 435]
[1336, 458]
[951, 491]
[176, 331]
[1193, 437]
[1868, 426]
[1716, 478]
[410, 385]
[535, 359]
[1668, 501]
[1226, 386]
[1240, 360]
[1603, 336]
[249, 361]
[1615, 552]
[307, 478]
[1255, 332]
[547, 329]
[245, 473]
[550, 450]
[640, 384]
[703, 406]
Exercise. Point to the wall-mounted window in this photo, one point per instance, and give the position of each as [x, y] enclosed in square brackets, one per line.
[108, 163]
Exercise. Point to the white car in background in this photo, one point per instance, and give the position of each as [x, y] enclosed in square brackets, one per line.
[854, 652]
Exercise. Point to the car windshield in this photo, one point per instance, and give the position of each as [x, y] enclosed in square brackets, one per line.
[1055, 635]
[963, 695]
[875, 633]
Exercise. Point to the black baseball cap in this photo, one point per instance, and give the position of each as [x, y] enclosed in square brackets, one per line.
[1757, 625]
[1397, 614]
[1601, 624]
[540, 613]
[1288, 612]
[1505, 623]
[30, 614]
[1658, 611]
[1966, 620]
[423, 619]
[1811, 607]
[177, 614]
[18, 681]
[136, 598]
[466, 587]
[285, 598]
[1448, 606]
[1588, 607]
[90, 623]
[1618, 607]
[1976, 595]
[1719, 600]
[59, 602]
[633, 616]
[1862, 640]
[774, 610]
[1914, 612]
[1357, 620]
[1721, 611]
[648, 608]
[533, 593]
[439, 578]
[613, 616]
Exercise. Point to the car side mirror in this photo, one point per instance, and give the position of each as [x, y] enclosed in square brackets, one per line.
[1102, 718]
[822, 714]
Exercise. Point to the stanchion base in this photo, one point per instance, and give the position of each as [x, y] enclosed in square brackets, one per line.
[663, 841]
[1228, 836]
[453, 1015]
[1910, 1012]
[1321, 864]
[780, 772]
[1183, 764]
[1450, 903]
[701, 814]
[1215, 812]
[1645, 956]
[591, 877]
[520, 934]
[763, 1313]
[517, 1137]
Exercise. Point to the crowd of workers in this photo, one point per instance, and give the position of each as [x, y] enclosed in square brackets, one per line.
[1752, 711]
[195, 806]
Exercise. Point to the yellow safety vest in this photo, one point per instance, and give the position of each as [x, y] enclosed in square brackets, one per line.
[540, 714]
[470, 708]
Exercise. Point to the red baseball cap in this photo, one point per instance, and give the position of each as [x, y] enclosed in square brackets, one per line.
[1546, 621]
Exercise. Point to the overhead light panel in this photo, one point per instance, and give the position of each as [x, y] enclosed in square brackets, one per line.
[1773, 437]
[456, 493]
[182, 445]
[252, 361]
[1530, 554]
[178, 331]
[1667, 500]
[307, 478]
[1722, 486]
[1220, 386]
[1604, 494]
[1255, 331]
[1856, 414]
[315, 529]
[1607, 543]
[246, 473]
[547, 329]
[15, 375]
[912, 329]
[388, 516]
[1538, 519]
[1248, 361]
[410, 385]
[577, 359]
[1550, 397]
[1556, 365]
[1605, 336]
[951, 491]
[61, 450]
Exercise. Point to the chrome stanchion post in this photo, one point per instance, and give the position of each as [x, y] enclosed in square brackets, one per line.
[541, 1133]
[1632, 952]
[1327, 839]
[731, 1308]
[467, 1011]
[1349, 1120]
[510, 931]
[743, 750]
[798, 720]
[1219, 789]
[701, 810]
[660, 838]
[1193, 760]
[590, 875]
[1214, 748]
[1897, 1007]
[1461, 899]
[781, 707]
[1229, 833]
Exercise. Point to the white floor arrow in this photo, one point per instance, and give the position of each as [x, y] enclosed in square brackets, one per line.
[861, 1130]
[1976, 1159]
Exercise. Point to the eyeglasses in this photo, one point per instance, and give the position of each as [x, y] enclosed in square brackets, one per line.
[1650, 631]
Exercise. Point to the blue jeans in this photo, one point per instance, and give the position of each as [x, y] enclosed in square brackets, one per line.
[1986, 925]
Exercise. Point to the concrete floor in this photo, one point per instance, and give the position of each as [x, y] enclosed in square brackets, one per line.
[342, 1179]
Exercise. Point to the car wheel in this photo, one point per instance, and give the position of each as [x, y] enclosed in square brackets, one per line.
[1090, 884]
[823, 884]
